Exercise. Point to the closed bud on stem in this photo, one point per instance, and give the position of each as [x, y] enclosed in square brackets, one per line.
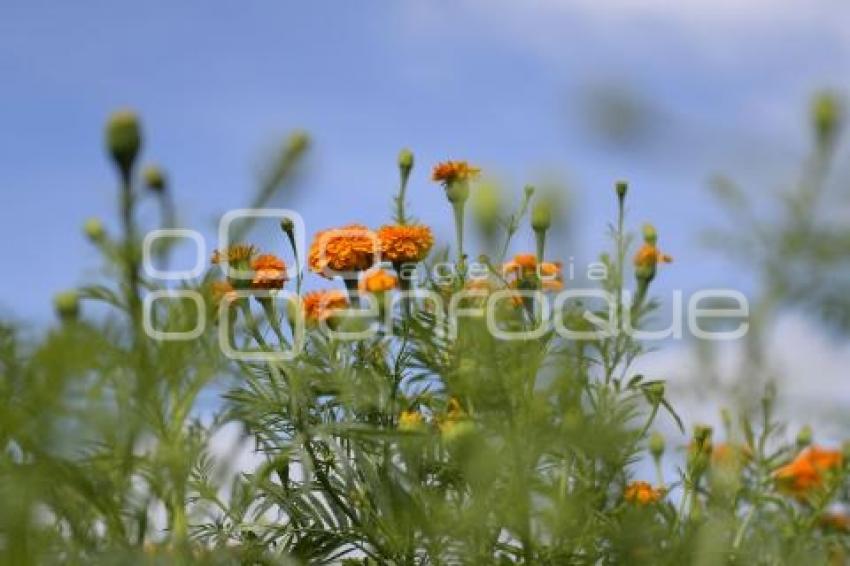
[67, 305]
[702, 435]
[826, 117]
[124, 140]
[654, 392]
[405, 162]
[650, 234]
[154, 178]
[804, 436]
[622, 187]
[457, 191]
[541, 215]
[486, 207]
[288, 227]
[656, 445]
[298, 142]
[94, 230]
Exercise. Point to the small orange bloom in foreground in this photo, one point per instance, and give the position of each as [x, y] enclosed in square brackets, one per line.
[726, 454]
[808, 470]
[321, 305]
[350, 248]
[405, 243]
[269, 272]
[450, 171]
[410, 420]
[524, 266]
[377, 281]
[643, 493]
[648, 256]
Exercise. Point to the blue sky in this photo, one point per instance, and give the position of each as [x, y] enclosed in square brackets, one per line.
[504, 84]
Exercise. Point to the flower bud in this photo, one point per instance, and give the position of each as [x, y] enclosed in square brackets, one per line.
[541, 215]
[804, 436]
[656, 445]
[405, 161]
[93, 229]
[650, 234]
[702, 435]
[486, 207]
[154, 178]
[622, 187]
[67, 305]
[654, 392]
[298, 142]
[123, 139]
[529, 191]
[288, 227]
[826, 117]
[457, 191]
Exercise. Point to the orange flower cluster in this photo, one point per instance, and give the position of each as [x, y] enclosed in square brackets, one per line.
[405, 243]
[351, 248]
[451, 171]
[321, 305]
[377, 281]
[269, 272]
[524, 267]
[648, 256]
[808, 471]
[642, 493]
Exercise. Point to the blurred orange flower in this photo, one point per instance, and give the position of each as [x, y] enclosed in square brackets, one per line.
[405, 243]
[222, 290]
[648, 256]
[808, 470]
[377, 281]
[450, 171]
[643, 493]
[234, 254]
[410, 420]
[524, 266]
[321, 305]
[269, 272]
[350, 248]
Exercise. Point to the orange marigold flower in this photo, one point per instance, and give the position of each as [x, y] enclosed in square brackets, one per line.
[350, 248]
[410, 420]
[269, 272]
[643, 493]
[321, 305]
[524, 266]
[234, 254]
[648, 256]
[808, 470]
[405, 243]
[836, 522]
[377, 281]
[450, 171]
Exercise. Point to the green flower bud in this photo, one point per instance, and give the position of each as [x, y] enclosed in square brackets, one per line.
[486, 207]
[457, 191]
[826, 117]
[288, 227]
[298, 142]
[154, 178]
[804, 436]
[124, 139]
[67, 305]
[405, 161]
[650, 234]
[656, 445]
[541, 215]
[529, 191]
[702, 435]
[654, 392]
[94, 230]
[622, 187]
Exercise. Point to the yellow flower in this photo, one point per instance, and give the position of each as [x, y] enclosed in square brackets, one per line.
[269, 272]
[642, 493]
[450, 171]
[405, 243]
[377, 281]
[321, 305]
[350, 248]
[410, 420]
